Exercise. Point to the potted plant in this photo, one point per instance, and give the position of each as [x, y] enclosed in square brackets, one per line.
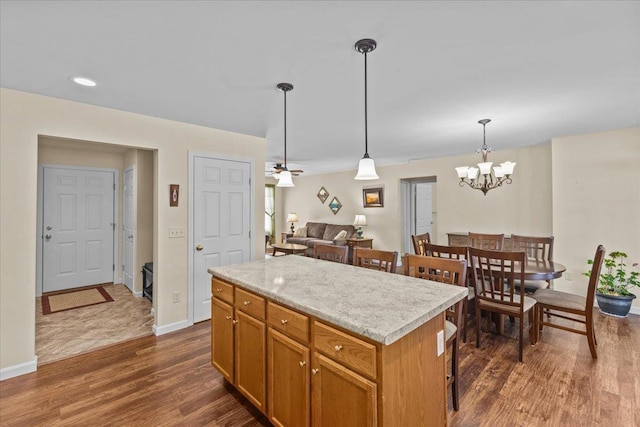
[612, 293]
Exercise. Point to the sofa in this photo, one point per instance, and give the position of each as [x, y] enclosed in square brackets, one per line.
[319, 232]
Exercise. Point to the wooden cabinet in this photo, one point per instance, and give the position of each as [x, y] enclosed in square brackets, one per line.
[238, 340]
[302, 371]
[289, 388]
[341, 397]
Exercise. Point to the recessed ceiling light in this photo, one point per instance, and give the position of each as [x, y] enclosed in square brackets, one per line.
[84, 81]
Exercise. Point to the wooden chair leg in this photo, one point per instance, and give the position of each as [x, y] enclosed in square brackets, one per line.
[521, 341]
[478, 323]
[532, 326]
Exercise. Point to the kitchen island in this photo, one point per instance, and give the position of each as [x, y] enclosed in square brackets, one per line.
[311, 342]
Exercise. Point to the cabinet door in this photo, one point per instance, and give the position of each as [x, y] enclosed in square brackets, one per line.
[251, 358]
[222, 338]
[288, 381]
[340, 397]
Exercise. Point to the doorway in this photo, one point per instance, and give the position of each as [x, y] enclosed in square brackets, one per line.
[418, 209]
[128, 228]
[220, 223]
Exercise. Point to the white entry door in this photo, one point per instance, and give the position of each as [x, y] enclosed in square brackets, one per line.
[221, 223]
[424, 208]
[78, 228]
[128, 220]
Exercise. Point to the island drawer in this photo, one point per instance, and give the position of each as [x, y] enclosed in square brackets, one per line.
[250, 303]
[346, 349]
[222, 290]
[293, 324]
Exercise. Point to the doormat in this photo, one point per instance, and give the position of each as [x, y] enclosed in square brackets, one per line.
[74, 299]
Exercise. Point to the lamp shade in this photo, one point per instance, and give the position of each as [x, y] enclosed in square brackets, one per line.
[285, 180]
[292, 217]
[360, 220]
[367, 169]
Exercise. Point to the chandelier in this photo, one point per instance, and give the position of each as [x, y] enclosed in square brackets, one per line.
[483, 178]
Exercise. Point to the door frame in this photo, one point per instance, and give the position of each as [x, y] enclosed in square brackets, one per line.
[190, 221]
[40, 216]
[408, 209]
[132, 168]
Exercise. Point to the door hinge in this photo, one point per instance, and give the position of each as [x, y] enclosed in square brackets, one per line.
[114, 267]
[114, 186]
[249, 233]
[113, 226]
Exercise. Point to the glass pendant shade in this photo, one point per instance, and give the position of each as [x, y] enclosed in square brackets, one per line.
[485, 167]
[462, 171]
[366, 169]
[285, 180]
[507, 167]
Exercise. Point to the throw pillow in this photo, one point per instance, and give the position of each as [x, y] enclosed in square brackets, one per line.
[300, 232]
[341, 235]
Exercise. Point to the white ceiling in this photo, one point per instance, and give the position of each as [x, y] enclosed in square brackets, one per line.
[537, 69]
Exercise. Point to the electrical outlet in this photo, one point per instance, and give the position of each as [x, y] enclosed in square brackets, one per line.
[176, 297]
[440, 343]
[176, 232]
[568, 276]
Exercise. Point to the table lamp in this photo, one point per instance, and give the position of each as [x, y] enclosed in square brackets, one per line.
[292, 217]
[359, 222]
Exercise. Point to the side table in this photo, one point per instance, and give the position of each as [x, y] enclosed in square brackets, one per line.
[361, 243]
[285, 235]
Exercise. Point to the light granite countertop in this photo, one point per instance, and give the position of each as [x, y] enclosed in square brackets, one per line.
[378, 305]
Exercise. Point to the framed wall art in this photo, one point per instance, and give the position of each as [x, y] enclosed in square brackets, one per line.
[335, 205]
[322, 194]
[373, 197]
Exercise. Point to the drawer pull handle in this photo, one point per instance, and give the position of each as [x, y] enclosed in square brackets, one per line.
[284, 321]
[228, 317]
[302, 364]
[246, 302]
[234, 321]
[315, 371]
[218, 290]
[338, 348]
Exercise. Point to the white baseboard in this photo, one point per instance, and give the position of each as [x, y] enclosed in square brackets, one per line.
[172, 327]
[137, 294]
[635, 310]
[17, 370]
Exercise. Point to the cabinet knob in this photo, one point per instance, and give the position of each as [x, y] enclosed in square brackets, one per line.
[284, 321]
[228, 317]
[315, 371]
[337, 348]
[302, 364]
[234, 321]
[218, 290]
[246, 302]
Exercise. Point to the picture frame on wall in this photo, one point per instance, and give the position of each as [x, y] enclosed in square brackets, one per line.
[335, 205]
[323, 194]
[373, 197]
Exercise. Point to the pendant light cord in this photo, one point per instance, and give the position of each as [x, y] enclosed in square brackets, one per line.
[366, 142]
[285, 130]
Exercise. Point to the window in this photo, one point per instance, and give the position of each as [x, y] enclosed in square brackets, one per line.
[270, 211]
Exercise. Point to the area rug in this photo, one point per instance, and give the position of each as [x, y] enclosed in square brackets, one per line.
[74, 299]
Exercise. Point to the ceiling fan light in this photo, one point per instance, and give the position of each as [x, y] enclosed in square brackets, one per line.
[367, 169]
[285, 180]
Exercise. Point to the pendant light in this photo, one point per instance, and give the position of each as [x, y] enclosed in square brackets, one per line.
[366, 167]
[285, 176]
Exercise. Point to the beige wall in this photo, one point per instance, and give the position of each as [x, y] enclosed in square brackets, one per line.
[523, 207]
[596, 200]
[23, 117]
[144, 213]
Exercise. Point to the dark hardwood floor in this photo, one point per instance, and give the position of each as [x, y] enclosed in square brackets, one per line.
[169, 381]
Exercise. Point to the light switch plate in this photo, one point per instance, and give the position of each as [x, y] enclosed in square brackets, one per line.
[440, 343]
[176, 232]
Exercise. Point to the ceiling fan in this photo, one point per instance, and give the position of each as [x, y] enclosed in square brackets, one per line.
[279, 167]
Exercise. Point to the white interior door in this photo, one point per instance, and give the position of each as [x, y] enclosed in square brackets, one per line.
[221, 223]
[424, 208]
[78, 228]
[128, 227]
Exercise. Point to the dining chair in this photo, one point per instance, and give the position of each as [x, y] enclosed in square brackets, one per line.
[535, 249]
[455, 252]
[573, 307]
[418, 241]
[333, 253]
[492, 242]
[453, 272]
[495, 274]
[375, 259]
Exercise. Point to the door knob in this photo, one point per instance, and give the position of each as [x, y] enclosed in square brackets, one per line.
[199, 248]
[131, 236]
[47, 236]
